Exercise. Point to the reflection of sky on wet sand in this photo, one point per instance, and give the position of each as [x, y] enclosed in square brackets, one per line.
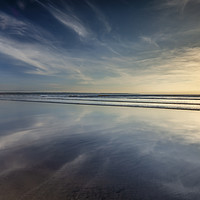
[50, 151]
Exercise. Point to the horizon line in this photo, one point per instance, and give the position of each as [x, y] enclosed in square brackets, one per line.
[127, 93]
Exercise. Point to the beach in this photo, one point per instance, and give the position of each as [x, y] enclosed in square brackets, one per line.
[59, 151]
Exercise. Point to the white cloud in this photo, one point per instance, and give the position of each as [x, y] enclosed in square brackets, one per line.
[71, 22]
[42, 57]
[149, 40]
[23, 28]
[180, 5]
[8, 22]
[161, 70]
[44, 61]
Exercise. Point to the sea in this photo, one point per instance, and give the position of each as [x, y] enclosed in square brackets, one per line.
[183, 102]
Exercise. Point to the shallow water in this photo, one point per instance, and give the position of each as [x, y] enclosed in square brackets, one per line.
[54, 151]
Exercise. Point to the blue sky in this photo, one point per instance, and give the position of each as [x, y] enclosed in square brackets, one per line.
[100, 46]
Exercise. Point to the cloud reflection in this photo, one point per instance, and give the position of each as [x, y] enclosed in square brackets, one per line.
[87, 149]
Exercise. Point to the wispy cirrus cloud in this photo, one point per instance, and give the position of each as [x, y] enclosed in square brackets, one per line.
[7, 22]
[100, 15]
[158, 70]
[40, 59]
[39, 56]
[23, 28]
[149, 40]
[149, 68]
[179, 5]
[175, 3]
[70, 20]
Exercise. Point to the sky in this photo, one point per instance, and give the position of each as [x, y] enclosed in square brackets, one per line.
[130, 46]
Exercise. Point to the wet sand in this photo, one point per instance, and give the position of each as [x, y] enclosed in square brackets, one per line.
[52, 151]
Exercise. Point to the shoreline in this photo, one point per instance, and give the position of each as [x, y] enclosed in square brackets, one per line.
[112, 105]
